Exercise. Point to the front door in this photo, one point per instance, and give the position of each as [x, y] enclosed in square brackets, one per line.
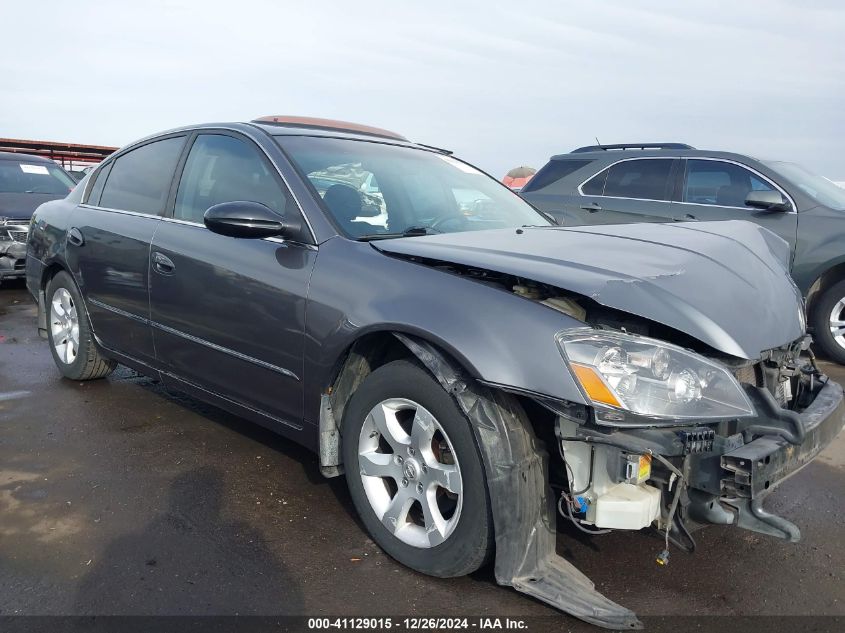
[108, 243]
[715, 189]
[228, 314]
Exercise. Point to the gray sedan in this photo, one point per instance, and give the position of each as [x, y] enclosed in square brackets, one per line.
[467, 364]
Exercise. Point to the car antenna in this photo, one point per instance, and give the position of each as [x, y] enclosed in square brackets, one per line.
[598, 142]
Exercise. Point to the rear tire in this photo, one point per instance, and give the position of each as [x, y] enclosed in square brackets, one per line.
[423, 497]
[69, 332]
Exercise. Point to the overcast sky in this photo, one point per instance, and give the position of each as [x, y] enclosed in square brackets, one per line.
[501, 84]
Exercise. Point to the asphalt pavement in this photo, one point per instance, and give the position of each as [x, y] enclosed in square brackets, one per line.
[117, 497]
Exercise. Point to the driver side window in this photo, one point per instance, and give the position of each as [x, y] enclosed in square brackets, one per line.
[223, 168]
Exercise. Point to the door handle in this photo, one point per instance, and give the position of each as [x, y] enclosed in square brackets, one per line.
[689, 216]
[74, 236]
[163, 264]
[592, 207]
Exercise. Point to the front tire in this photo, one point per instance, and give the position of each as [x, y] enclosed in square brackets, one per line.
[415, 473]
[69, 332]
[828, 320]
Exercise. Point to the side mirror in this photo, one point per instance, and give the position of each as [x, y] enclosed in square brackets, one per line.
[767, 201]
[248, 219]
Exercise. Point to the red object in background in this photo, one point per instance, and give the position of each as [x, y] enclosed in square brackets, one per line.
[518, 177]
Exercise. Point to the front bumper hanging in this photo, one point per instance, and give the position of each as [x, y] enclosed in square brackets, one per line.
[12, 259]
[754, 469]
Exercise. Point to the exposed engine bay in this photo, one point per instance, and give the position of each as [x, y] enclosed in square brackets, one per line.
[618, 473]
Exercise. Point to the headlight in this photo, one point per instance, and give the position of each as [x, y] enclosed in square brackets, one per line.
[621, 372]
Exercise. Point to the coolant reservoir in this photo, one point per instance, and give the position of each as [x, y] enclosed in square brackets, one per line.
[627, 507]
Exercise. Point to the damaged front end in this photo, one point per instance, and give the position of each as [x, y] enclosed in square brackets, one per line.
[628, 470]
[666, 415]
[13, 235]
[617, 470]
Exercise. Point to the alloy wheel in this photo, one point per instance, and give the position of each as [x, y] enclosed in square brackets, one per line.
[837, 322]
[410, 472]
[64, 326]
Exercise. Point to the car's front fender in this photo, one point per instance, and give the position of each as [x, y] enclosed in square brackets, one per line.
[495, 335]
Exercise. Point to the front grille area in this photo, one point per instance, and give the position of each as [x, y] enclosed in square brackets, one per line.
[16, 230]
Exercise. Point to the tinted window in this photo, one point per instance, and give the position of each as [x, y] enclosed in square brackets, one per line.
[224, 169]
[720, 183]
[595, 185]
[646, 179]
[97, 188]
[23, 177]
[552, 172]
[140, 179]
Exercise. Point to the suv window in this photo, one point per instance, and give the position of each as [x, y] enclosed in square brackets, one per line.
[644, 179]
[223, 168]
[140, 179]
[720, 183]
[553, 172]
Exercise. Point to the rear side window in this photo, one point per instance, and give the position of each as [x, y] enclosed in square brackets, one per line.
[220, 169]
[595, 185]
[140, 179]
[644, 179]
[99, 182]
[555, 170]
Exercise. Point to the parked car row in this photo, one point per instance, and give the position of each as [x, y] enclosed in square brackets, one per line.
[25, 183]
[468, 364]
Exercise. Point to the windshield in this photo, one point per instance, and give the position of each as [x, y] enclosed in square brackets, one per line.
[820, 189]
[20, 177]
[376, 190]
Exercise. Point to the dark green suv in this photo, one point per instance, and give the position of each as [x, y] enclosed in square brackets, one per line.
[673, 182]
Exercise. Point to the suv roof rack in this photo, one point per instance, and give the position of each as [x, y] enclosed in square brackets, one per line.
[596, 148]
[328, 124]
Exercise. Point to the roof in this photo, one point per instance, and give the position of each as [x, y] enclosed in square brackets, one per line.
[624, 146]
[313, 123]
[30, 158]
[622, 154]
[295, 126]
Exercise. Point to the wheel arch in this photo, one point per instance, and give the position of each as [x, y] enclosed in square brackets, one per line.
[47, 273]
[824, 280]
[369, 351]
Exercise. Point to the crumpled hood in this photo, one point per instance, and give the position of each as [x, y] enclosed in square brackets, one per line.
[725, 283]
[21, 206]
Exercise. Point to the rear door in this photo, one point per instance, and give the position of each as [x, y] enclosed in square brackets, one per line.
[228, 314]
[630, 190]
[108, 243]
[715, 189]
